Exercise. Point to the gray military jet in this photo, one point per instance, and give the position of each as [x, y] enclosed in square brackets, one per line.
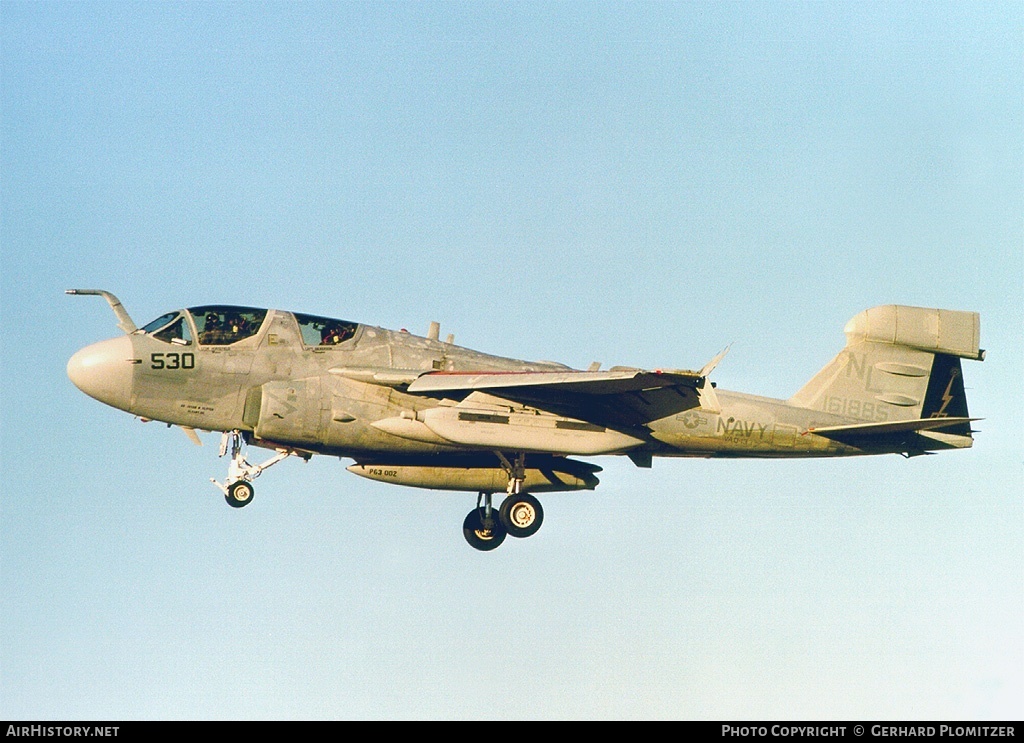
[426, 413]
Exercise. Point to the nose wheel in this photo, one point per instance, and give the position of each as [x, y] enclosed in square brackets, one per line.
[237, 488]
[239, 494]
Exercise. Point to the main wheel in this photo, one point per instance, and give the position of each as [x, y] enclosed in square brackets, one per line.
[521, 515]
[240, 494]
[483, 536]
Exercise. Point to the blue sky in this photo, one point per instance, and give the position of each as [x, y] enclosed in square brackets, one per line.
[631, 183]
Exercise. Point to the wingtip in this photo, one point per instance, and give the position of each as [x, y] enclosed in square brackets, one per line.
[710, 366]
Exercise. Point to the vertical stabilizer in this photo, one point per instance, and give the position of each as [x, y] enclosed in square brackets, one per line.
[899, 363]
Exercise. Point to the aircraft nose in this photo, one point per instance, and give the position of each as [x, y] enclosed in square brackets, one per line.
[104, 371]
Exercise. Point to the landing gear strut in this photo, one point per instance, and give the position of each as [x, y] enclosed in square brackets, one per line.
[482, 527]
[520, 514]
[237, 488]
[516, 472]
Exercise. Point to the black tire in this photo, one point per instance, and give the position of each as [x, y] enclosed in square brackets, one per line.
[240, 494]
[521, 515]
[479, 537]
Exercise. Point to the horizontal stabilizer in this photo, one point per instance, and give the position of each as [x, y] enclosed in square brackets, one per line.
[888, 427]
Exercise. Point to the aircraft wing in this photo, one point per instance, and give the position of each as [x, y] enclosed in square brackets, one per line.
[617, 397]
[584, 382]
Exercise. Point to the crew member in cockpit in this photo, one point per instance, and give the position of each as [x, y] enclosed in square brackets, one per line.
[234, 327]
[213, 333]
[334, 334]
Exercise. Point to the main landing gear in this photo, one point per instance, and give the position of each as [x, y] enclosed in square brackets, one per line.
[482, 527]
[237, 488]
[520, 514]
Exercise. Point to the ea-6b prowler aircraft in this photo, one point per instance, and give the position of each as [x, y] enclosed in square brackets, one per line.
[426, 413]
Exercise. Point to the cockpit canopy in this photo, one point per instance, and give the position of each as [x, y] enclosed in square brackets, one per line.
[222, 325]
[170, 328]
[324, 331]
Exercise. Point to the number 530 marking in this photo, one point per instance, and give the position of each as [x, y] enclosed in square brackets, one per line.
[172, 361]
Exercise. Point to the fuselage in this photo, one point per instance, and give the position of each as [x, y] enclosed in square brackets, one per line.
[319, 385]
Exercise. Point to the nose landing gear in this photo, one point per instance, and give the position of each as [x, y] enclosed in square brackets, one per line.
[237, 488]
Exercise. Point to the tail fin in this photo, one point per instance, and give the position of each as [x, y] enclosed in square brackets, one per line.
[945, 396]
[900, 363]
